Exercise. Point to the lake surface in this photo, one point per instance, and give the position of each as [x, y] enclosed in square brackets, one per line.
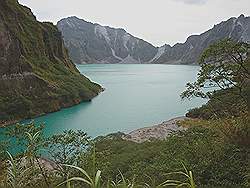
[135, 96]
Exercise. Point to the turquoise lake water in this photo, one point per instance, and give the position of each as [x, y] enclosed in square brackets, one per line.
[135, 96]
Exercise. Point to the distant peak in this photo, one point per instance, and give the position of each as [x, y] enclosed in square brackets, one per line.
[73, 18]
[165, 46]
[242, 16]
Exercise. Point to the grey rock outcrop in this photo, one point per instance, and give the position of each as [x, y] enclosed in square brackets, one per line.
[93, 43]
[190, 51]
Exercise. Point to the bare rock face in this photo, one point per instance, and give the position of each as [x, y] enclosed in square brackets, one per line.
[10, 53]
[36, 74]
[189, 52]
[93, 43]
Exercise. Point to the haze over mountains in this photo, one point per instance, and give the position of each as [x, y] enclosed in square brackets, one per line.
[92, 43]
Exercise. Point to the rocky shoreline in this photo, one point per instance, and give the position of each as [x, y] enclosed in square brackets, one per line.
[159, 131]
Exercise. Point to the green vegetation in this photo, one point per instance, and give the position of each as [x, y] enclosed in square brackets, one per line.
[225, 66]
[221, 104]
[213, 152]
[215, 159]
[40, 77]
[93, 183]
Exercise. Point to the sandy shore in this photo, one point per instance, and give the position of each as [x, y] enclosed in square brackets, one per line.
[160, 131]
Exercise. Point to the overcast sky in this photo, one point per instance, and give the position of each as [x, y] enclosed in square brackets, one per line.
[156, 21]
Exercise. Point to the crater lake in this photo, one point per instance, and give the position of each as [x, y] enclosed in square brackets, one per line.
[135, 96]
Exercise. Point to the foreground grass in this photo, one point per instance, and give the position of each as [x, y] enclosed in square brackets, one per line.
[215, 152]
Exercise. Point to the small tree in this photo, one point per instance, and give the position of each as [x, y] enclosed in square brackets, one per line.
[224, 78]
[16, 135]
[66, 148]
[224, 65]
[26, 166]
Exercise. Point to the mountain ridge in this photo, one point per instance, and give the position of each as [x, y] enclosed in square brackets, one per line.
[180, 53]
[190, 50]
[102, 44]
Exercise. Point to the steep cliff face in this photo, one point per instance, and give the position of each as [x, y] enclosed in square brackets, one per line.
[190, 51]
[93, 43]
[36, 74]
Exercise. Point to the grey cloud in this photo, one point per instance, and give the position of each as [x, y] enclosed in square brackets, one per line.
[197, 2]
